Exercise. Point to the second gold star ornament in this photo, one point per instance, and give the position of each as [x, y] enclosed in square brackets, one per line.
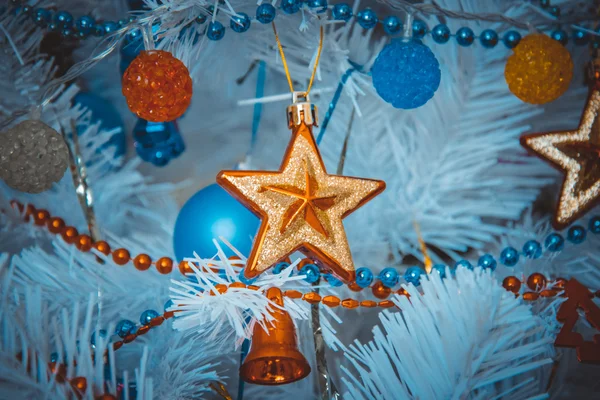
[301, 206]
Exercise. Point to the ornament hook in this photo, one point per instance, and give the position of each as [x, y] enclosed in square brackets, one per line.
[302, 111]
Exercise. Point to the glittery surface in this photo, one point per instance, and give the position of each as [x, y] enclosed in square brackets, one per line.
[540, 70]
[32, 157]
[157, 86]
[301, 207]
[577, 154]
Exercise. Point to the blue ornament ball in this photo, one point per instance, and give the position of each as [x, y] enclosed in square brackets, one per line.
[364, 277]
[392, 25]
[265, 13]
[147, 316]
[389, 277]
[406, 74]
[440, 33]
[215, 31]
[209, 214]
[240, 23]
[342, 12]
[439, 269]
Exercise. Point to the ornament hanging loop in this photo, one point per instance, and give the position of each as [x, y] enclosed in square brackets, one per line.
[302, 111]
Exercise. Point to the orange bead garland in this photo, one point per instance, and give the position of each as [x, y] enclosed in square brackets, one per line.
[164, 265]
[157, 86]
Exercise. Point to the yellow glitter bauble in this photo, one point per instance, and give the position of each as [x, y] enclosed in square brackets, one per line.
[540, 71]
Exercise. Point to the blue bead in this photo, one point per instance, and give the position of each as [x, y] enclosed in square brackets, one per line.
[245, 280]
[52, 27]
[392, 25]
[157, 142]
[124, 328]
[99, 30]
[265, 13]
[67, 32]
[509, 256]
[63, 19]
[413, 275]
[594, 225]
[440, 33]
[122, 22]
[511, 39]
[42, 17]
[311, 273]
[168, 304]
[489, 38]
[280, 267]
[487, 261]
[555, 11]
[290, 6]
[54, 357]
[560, 36]
[200, 19]
[322, 4]
[389, 277]
[576, 234]
[364, 277]
[465, 36]
[554, 242]
[110, 27]
[545, 3]
[463, 264]
[406, 74]
[215, 30]
[240, 23]
[532, 249]
[440, 269]
[333, 281]
[342, 12]
[131, 47]
[580, 37]
[147, 316]
[367, 18]
[419, 29]
[101, 333]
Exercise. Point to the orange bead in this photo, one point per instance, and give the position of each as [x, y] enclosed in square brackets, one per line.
[129, 338]
[354, 287]
[237, 285]
[157, 86]
[350, 303]
[69, 234]
[312, 297]
[106, 396]
[40, 217]
[530, 296]
[164, 265]
[29, 211]
[55, 225]
[512, 284]
[142, 262]
[102, 247]
[368, 303]
[549, 293]
[16, 205]
[292, 294]
[83, 243]
[386, 304]
[79, 384]
[121, 256]
[59, 370]
[403, 292]
[560, 283]
[185, 268]
[117, 345]
[221, 288]
[331, 301]
[380, 290]
[157, 321]
[305, 261]
[253, 287]
[142, 330]
[536, 281]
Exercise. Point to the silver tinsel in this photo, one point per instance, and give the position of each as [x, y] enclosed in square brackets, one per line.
[32, 156]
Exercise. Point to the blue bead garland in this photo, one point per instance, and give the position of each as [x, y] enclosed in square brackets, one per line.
[463, 264]
[101, 333]
[488, 38]
[245, 280]
[124, 328]
[511, 39]
[594, 225]
[42, 17]
[342, 12]
[215, 30]
[560, 36]
[265, 13]
[392, 25]
[364, 277]
[576, 234]
[580, 37]
[311, 273]
[279, 267]
[63, 19]
[419, 29]
[240, 23]
[465, 36]
[367, 18]
[413, 275]
[487, 261]
[532, 249]
[440, 33]
[509, 256]
[85, 25]
[147, 316]
[554, 242]
[440, 269]
[322, 4]
[389, 277]
[290, 6]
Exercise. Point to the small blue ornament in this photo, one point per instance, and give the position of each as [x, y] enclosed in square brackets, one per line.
[367, 18]
[200, 19]
[131, 47]
[265, 13]
[364, 277]
[532, 249]
[560, 36]
[389, 277]
[555, 11]
[463, 264]
[168, 305]
[67, 32]
[440, 269]
[124, 328]
[440, 33]
[580, 37]
[122, 22]
[511, 39]
[322, 4]
[576, 234]
[157, 142]
[147, 316]
[465, 36]
[419, 29]
[110, 27]
[245, 280]
[240, 23]
[209, 214]
[489, 38]
[487, 261]
[594, 225]
[42, 17]
[509, 256]
[554, 242]
[545, 3]
[342, 12]
[52, 27]
[280, 266]
[406, 74]
[54, 357]
[101, 333]
[63, 19]
[413, 275]
[99, 30]
[333, 281]
[311, 273]
[85, 25]
[392, 25]
[290, 6]
[215, 30]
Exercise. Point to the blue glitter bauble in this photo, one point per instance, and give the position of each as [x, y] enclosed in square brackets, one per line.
[413, 275]
[560, 36]
[406, 74]
[290, 6]
[509, 256]
[487, 261]
[576, 234]
[342, 12]
[440, 33]
[532, 249]
[389, 277]
[364, 277]
[367, 18]
[311, 273]
[463, 264]
[392, 25]
[215, 31]
[440, 269]
[240, 23]
[147, 316]
[489, 38]
[594, 225]
[209, 214]
[265, 13]
[554, 242]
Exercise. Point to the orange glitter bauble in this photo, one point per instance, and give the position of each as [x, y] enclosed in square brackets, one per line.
[540, 70]
[536, 281]
[157, 86]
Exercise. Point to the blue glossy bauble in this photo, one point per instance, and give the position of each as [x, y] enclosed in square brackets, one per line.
[342, 12]
[560, 36]
[406, 74]
[509, 256]
[42, 17]
[290, 6]
[85, 25]
[392, 25]
[580, 37]
[311, 273]
[245, 280]
[487, 261]
[419, 29]
[157, 142]
[554, 242]
[576, 234]
[511, 39]
[280, 266]
[240, 23]
[488, 38]
[124, 328]
[594, 225]
[532, 249]
[147, 316]
[110, 27]
[367, 18]
[440, 33]
[389, 277]
[465, 36]
[413, 275]
[63, 19]
[209, 214]
[463, 264]
[364, 277]
[215, 30]
[265, 13]
[333, 281]
[439, 269]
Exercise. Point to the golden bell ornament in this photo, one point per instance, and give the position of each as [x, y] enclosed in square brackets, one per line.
[274, 358]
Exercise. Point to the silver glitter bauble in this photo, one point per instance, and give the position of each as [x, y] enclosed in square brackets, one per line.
[32, 157]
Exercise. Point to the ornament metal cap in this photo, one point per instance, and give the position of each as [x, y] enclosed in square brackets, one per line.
[302, 111]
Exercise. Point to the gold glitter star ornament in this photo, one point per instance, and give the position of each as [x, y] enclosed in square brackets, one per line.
[577, 154]
[301, 206]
